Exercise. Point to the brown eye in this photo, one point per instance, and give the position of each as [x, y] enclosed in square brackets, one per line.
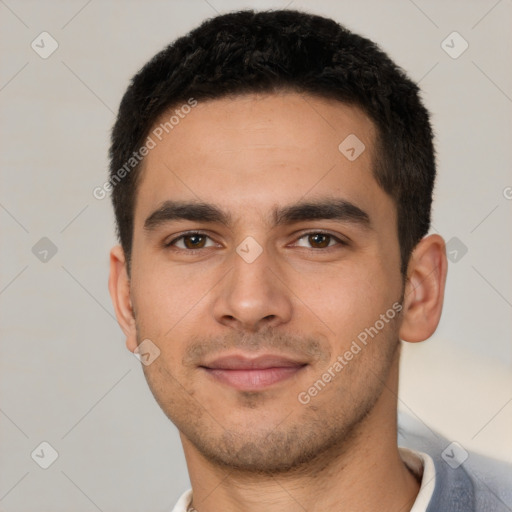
[194, 241]
[319, 240]
[191, 241]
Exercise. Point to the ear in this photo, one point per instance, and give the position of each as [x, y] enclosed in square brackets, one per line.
[424, 289]
[119, 288]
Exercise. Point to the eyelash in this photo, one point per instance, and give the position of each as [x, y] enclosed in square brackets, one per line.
[340, 242]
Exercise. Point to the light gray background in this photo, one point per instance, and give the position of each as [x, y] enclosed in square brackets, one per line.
[66, 377]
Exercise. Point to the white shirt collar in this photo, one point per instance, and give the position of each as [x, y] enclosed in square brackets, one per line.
[184, 502]
[422, 466]
[419, 463]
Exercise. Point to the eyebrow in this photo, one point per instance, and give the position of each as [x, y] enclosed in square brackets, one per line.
[176, 210]
[335, 209]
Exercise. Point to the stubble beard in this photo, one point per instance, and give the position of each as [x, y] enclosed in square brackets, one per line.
[304, 440]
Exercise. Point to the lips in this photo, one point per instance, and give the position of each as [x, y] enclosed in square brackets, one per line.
[252, 374]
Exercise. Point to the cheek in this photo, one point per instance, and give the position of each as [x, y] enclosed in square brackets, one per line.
[347, 299]
[166, 297]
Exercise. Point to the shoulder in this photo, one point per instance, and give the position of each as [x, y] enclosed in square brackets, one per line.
[465, 481]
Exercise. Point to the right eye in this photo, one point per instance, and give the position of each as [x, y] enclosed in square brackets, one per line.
[191, 241]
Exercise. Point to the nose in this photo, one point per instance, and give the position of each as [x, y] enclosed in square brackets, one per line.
[253, 296]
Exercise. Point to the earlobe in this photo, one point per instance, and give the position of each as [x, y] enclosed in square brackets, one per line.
[119, 288]
[424, 291]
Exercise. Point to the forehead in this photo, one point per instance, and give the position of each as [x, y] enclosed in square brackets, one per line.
[255, 152]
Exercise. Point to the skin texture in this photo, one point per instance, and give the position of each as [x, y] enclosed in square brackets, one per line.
[308, 301]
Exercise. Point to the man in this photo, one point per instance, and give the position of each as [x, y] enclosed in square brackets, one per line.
[272, 178]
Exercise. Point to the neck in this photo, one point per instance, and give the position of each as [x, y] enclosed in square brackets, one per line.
[363, 473]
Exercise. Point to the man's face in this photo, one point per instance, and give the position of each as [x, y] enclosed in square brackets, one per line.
[266, 294]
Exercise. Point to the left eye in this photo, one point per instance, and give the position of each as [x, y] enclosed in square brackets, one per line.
[318, 240]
